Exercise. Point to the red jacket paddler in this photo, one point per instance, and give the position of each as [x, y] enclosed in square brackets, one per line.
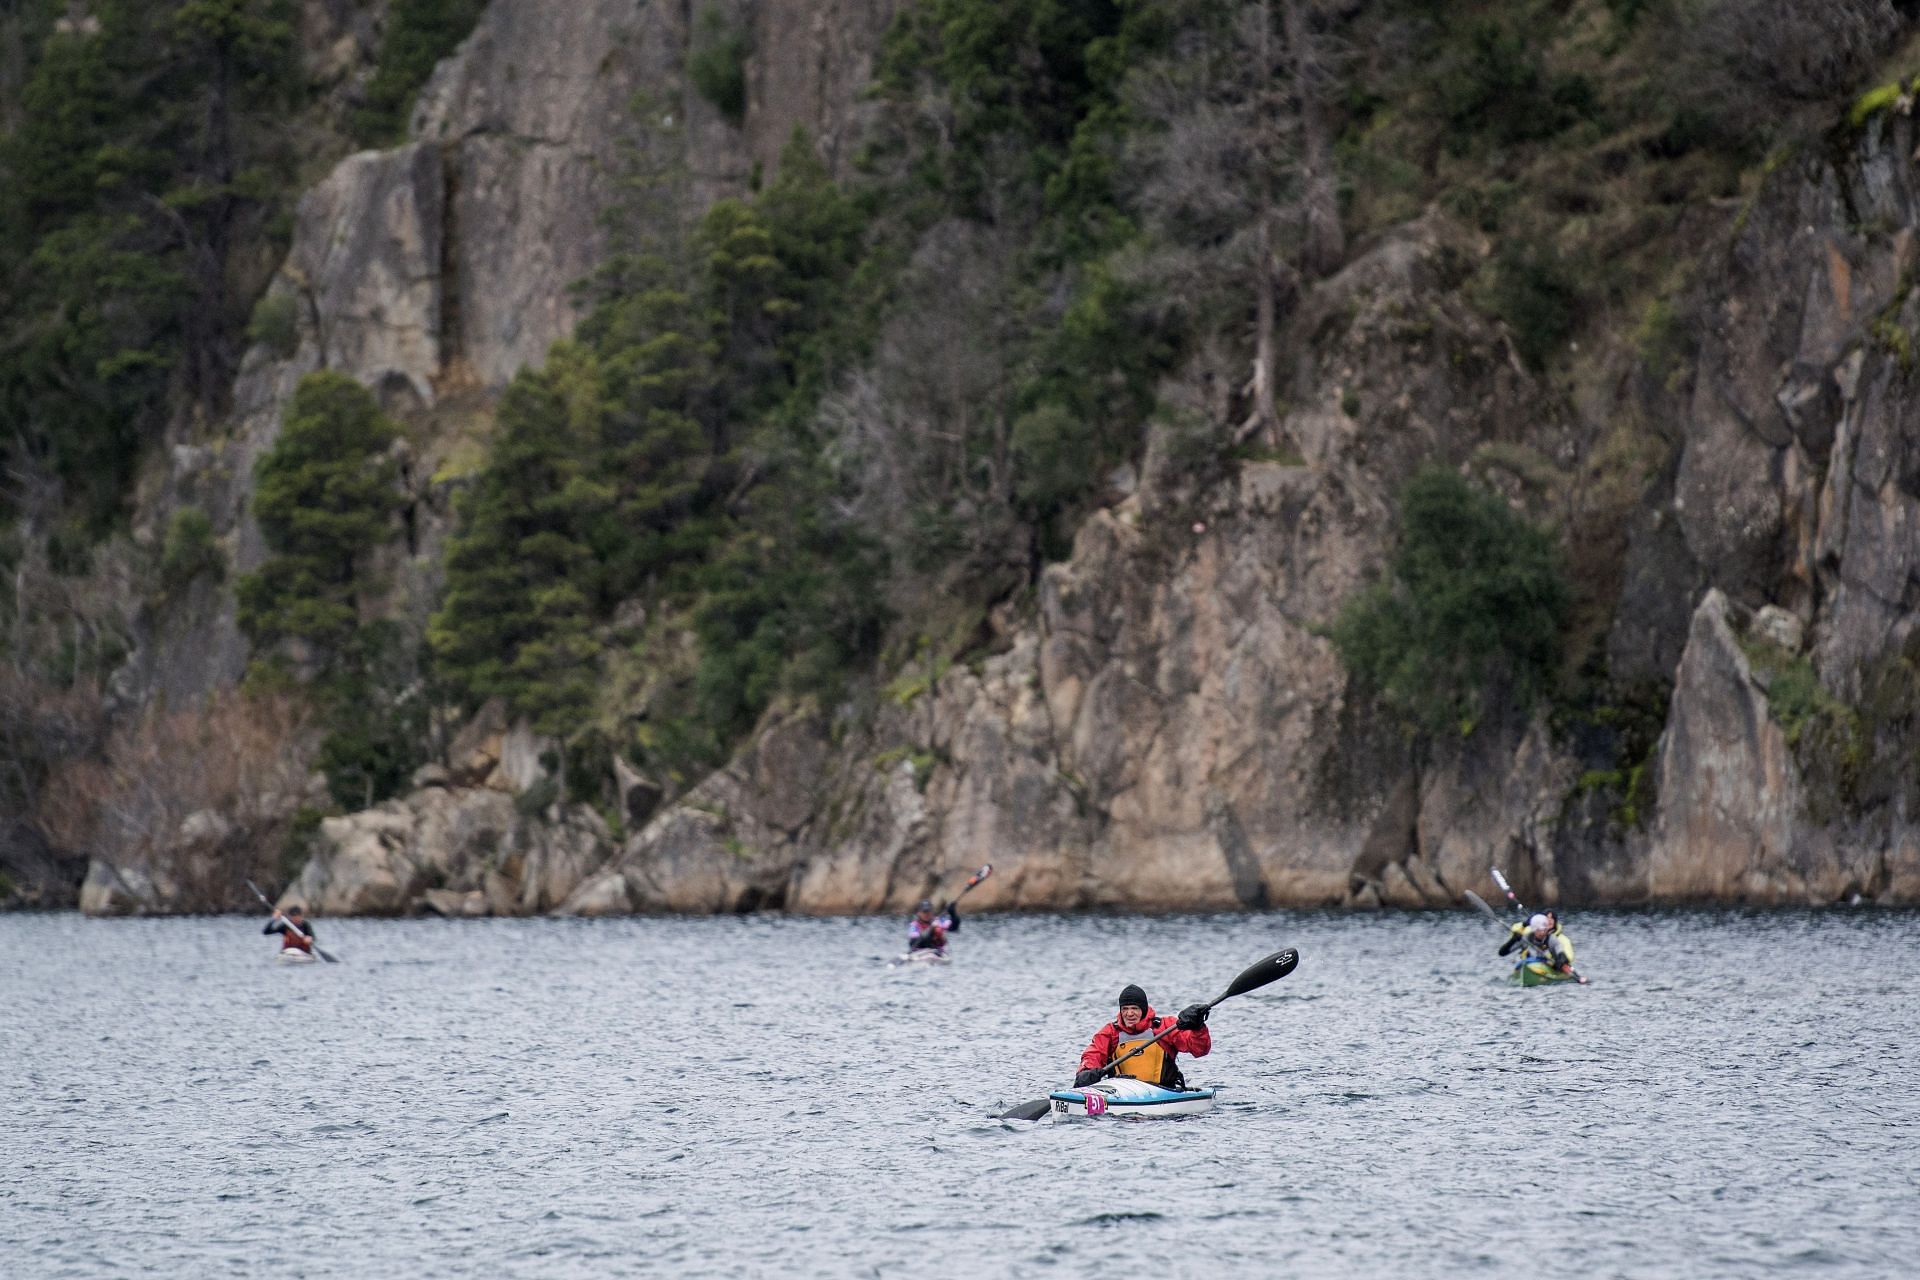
[1155, 1064]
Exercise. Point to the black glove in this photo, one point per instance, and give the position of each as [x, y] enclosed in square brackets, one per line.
[1087, 1076]
[1507, 946]
[953, 918]
[1192, 1017]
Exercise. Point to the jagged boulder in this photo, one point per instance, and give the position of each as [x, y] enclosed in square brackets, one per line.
[123, 891]
[730, 844]
[471, 843]
[33, 873]
[1731, 826]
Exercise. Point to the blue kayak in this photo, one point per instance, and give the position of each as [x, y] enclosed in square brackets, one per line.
[1133, 1099]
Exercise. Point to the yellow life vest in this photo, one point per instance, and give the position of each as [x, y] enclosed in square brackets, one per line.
[1151, 1064]
[1555, 948]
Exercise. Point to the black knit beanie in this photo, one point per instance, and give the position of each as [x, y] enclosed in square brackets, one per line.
[1130, 994]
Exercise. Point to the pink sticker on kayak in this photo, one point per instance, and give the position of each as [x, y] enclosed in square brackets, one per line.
[1096, 1103]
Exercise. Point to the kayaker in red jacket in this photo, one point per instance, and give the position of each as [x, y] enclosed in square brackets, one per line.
[1137, 1025]
[295, 933]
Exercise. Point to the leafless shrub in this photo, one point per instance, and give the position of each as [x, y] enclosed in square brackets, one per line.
[1754, 57]
[927, 425]
[194, 802]
[1236, 173]
[60, 635]
[60, 628]
[40, 725]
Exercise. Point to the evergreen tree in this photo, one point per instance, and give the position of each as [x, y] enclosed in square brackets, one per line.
[660, 457]
[418, 34]
[325, 495]
[1471, 613]
[816, 233]
[146, 152]
[654, 373]
[517, 618]
[88, 335]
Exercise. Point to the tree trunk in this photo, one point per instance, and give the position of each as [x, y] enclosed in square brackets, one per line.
[210, 364]
[1325, 243]
[1260, 418]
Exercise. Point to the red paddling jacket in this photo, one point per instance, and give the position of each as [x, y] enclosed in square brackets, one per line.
[290, 940]
[1154, 1065]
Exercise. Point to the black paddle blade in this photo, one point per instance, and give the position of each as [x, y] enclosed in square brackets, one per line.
[1485, 910]
[1261, 972]
[1035, 1110]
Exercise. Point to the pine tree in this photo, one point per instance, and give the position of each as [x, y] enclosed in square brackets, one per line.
[817, 234]
[325, 496]
[144, 155]
[517, 618]
[418, 34]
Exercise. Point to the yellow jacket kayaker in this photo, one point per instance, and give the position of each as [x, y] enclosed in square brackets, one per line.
[1544, 940]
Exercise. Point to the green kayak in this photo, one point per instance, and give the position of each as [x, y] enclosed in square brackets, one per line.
[1535, 973]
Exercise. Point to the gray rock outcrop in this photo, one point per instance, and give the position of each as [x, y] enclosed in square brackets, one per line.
[1167, 726]
[1730, 793]
[435, 271]
[454, 851]
[1173, 730]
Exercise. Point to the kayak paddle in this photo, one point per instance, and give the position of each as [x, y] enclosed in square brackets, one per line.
[1254, 976]
[1485, 910]
[297, 930]
[985, 870]
[1521, 908]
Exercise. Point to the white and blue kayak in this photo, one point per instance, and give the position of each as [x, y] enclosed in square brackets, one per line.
[294, 955]
[1130, 1099]
[921, 956]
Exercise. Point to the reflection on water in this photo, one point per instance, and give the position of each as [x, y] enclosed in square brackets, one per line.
[1733, 1096]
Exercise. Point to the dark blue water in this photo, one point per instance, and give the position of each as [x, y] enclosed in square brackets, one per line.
[1734, 1095]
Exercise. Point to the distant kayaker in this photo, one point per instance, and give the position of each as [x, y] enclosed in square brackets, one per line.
[928, 932]
[1137, 1025]
[1544, 941]
[295, 933]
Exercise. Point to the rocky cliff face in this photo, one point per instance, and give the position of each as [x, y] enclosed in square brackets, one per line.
[435, 271]
[1173, 731]
[1169, 728]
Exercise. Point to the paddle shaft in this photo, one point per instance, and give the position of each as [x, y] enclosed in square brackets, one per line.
[298, 932]
[1507, 889]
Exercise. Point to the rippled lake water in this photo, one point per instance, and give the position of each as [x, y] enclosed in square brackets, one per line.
[1734, 1095]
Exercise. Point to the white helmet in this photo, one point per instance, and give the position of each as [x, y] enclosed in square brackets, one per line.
[1538, 923]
